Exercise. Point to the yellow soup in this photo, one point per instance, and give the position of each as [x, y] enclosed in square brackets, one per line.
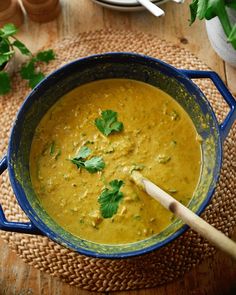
[157, 138]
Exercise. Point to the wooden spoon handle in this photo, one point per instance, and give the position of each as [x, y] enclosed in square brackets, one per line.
[206, 230]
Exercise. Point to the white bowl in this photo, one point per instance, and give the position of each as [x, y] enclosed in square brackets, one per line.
[121, 7]
[124, 2]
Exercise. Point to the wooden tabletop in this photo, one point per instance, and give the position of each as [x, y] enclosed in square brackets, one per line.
[214, 276]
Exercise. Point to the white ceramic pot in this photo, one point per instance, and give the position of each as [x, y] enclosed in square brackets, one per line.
[218, 38]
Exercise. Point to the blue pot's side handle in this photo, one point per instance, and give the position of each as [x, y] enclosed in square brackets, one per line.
[19, 227]
[228, 97]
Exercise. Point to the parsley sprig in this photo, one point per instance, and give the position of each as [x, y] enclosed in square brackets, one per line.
[108, 122]
[209, 9]
[29, 72]
[110, 198]
[8, 44]
[92, 165]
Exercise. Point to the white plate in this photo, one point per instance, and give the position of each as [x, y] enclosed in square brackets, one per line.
[125, 8]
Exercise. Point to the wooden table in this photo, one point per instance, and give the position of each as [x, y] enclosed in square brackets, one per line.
[214, 276]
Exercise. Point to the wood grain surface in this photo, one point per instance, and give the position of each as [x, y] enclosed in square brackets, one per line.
[214, 276]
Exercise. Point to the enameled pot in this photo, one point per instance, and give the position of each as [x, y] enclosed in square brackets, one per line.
[176, 83]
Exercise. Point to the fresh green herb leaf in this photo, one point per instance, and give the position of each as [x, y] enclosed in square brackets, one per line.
[27, 71]
[23, 49]
[193, 11]
[7, 50]
[52, 148]
[78, 162]
[209, 9]
[94, 164]
[3, 59]
[58, 154]
[54, 151]
[35, 79]
[4, 46]
[108, 122]
[9, 53]
[217, 8]
[8, 30]
[84, 152]
[45, 56]
[202, 8]
[232, 36]
[103, 179]
[110, 198]
[5, 84]
[231, 4]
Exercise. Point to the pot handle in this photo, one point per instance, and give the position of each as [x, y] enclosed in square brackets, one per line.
[228, 97]
[19, 227]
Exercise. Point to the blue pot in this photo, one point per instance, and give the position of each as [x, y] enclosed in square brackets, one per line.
[176, 83]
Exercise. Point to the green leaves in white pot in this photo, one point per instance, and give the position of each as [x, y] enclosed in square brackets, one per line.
[208, 9]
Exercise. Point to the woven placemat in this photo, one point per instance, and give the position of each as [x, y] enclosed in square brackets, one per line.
[157, 267]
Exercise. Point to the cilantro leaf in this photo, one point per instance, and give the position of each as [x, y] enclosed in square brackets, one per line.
[23, 49]
[110, 198]
[35, 79]
[45, 56]
[8, 45]
[78, 162]
[108, 122]
[94, 164]
[84, 152]
[5, 84]
[52, 148]
[27, 71]
[4, 58]
[4, 46]
[8, 30]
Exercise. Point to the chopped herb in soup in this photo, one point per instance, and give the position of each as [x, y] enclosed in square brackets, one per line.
[89, 142]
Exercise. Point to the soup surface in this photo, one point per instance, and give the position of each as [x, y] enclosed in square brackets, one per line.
[156, 137]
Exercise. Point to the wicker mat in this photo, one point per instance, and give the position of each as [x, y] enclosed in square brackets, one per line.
[153, 269]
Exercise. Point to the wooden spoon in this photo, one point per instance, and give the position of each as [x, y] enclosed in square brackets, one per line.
[206, 230]
[155, 10]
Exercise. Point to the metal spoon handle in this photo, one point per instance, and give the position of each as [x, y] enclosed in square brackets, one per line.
[155, 10]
